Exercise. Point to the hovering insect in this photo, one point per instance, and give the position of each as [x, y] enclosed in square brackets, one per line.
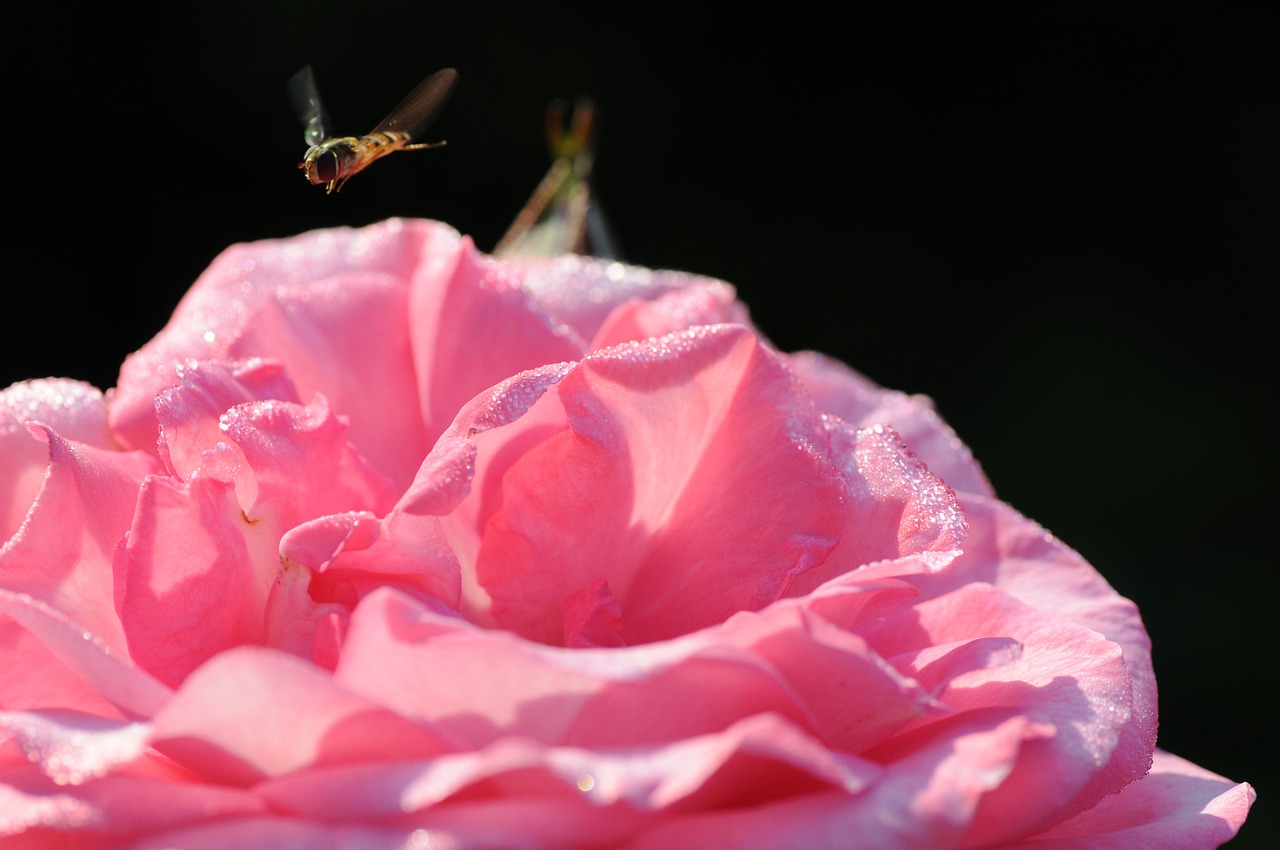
[336, 160]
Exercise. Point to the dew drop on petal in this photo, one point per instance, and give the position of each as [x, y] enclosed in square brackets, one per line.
[72, 750]
[586, 782]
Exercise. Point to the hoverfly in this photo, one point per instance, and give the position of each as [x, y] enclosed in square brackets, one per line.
[336, 160]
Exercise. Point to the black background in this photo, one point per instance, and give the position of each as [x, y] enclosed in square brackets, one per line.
[1058, 223]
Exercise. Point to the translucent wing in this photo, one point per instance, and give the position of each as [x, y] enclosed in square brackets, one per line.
[421, 105]
[306, 103]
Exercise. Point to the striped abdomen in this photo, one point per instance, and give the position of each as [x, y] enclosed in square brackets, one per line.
[335, 161]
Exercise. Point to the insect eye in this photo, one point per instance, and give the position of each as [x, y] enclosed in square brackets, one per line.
[326, 166]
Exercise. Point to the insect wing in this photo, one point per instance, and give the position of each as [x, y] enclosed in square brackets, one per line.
[306, 103]
[421, 105]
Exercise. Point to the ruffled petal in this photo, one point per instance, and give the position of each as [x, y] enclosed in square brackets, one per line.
[33, 677]
[332, 306]
[473, 326]
[302, 464]
[445, 477]
[190, 412]
[780, 661]
[1068, 680]
[62, 554]
[273, 832]
[131, 690]
[1176, 805]
[897, 507]
[253, 713]
[203, 554]
[581, 292]
[73, 409]
[668, 523]
[925, 800]
[500, 684]
[860, 402]
[701, 303]
[1008, 550]
[72, 747]
[503, 823]
[352, 554]
[108, 813]
[761, 756]
[196, 576]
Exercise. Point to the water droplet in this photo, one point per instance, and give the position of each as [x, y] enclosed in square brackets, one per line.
[586, 782]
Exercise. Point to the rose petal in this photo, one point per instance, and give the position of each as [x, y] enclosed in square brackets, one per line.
[897, 507]
[779, 661]
[63, 552]
[271, 832]
[830, 671]
[354, 552]
[190, 413]
[1024, 560]
[71, 408]
[1176, 805]
[701, 303]
[296, 623]
[362, 552]
[593, 617]
[134, 692]
[444, 478]
[302, 463]
[665, 522]
[584, 698]
[196, 576]
[581, 292]
[201, 560]
[331, 305]
[251, 713]
[109, 812]
[472, 327]
[72, 748]
[1067, 678]
[32, 677]
[74, 409]
[759, 756]
[926, 800]
[519, 823]
[860, 402]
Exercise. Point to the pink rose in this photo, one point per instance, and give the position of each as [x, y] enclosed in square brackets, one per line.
[382, 543]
